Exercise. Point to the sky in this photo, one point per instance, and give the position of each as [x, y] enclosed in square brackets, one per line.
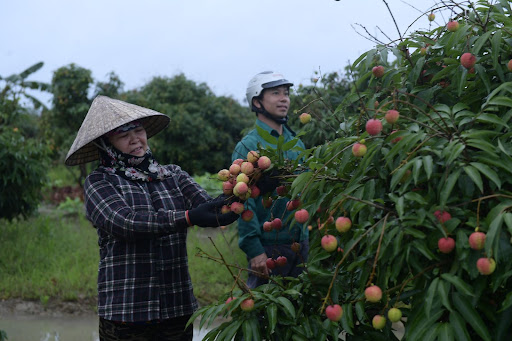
[222, 43]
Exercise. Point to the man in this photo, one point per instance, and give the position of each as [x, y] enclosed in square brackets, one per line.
[268, 96]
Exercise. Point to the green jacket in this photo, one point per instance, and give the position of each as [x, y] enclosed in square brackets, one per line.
[252, 238]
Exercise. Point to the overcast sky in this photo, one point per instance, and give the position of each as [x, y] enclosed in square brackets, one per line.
[222, 43]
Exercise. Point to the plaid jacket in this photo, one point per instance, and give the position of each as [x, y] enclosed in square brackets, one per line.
[142, 231]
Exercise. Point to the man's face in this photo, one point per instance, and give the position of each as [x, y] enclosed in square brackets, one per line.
[133, 142]
[275, 100]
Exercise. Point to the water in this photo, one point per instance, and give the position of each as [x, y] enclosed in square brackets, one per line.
[34, 328]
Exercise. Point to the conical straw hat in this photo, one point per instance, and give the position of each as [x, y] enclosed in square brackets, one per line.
[104, 115]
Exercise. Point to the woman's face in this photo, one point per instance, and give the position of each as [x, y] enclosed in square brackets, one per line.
[133, 142]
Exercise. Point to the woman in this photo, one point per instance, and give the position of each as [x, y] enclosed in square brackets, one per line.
[141, 211]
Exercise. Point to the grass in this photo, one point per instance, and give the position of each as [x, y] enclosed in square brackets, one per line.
[55, 256]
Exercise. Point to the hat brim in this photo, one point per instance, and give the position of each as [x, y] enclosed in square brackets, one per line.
[104, 115]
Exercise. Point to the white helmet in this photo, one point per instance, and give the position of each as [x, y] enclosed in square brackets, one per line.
[264, 80]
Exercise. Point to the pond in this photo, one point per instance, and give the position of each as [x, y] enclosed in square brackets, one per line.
[69, 328]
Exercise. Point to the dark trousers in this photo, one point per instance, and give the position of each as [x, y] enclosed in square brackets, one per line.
[289, 270]
[166, 330]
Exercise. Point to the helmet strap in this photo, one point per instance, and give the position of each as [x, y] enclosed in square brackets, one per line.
[264, 112]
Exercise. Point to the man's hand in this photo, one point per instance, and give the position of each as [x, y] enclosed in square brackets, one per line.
[259, 264]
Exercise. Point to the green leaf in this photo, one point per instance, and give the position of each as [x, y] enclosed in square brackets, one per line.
[491, 118]
[445, 332]
[428, 165]
[469, 313]
[481, 41]
[272, 316]
[346, 318]
[443, 289]
[482, 74]
[431, 294]
[493, 237]
[473, 173]
[446, 187]
[488, 172]
[459, 327]
[462, 286]
[507, 302]
[288, 306]
[266, 136]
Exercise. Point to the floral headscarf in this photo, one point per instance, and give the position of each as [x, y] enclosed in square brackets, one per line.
[130, 167]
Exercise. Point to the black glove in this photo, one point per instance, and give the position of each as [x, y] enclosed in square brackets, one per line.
[208, 214]
[268, 182]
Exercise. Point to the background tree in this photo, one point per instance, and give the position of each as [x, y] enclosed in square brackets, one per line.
[24, 156]
[204, 128]
[427, 195]
[70, 103]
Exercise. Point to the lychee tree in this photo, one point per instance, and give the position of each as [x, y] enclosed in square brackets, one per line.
[439, 173]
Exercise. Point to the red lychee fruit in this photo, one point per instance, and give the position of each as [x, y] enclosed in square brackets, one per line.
[378, 71]
[446, 244]
[359, 149]
[225, 209]
[431, 17]
[247, 168]
[238, 162]
[271, 264]
[282, 190]
[234, 169]
[396, 139]
[301, 216]
[343, 224]
[392, 116]
[509, 65]
[230, 299]
[295, 247]
[266, 202]
[267, 226]
[264, 162]
[277, 224]
[378, 322]
[329, 243]
[468, 60]
[255, 191]
[373, 126]
[237, 207]
[452, 26]
[373, 293]
[240, 189]
[281, 261]
[253, 156]
[247, 304]
[223, 175]
[442, 216]
[486, 266]
[304, 118]
[477, 240]
[293, 204]
[334, 312]
[227, 188]
[247, 215]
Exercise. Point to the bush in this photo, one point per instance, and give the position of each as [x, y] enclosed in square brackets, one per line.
[448, 176]
[23, 173]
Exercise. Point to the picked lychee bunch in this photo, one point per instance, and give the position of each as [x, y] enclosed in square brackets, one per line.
[241, 178]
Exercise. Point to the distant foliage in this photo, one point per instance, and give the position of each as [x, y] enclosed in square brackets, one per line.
[22, 173]
[24, 157]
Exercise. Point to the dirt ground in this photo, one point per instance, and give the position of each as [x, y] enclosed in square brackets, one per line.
[53, 308]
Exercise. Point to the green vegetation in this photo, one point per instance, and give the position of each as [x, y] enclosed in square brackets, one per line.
[55, 256]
